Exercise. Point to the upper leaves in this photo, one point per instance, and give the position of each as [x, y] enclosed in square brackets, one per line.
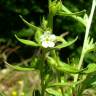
[90, 45]
[47, 42]
[27, 42]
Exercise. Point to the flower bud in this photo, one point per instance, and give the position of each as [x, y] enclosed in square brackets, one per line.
[54, 7]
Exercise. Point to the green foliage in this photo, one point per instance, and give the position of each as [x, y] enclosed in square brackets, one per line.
[58, 77]
[53, 92]
[91, 68]
[48, 41]
[20, 68]
[65, 44]
[27, 42]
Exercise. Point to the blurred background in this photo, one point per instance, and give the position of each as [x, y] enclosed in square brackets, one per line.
[13, 83]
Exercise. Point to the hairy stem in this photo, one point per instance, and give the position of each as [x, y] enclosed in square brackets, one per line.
[42, 72]
[50, 21]
[86, 37]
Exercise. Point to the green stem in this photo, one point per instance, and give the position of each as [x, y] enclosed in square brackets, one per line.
[42, 72]
[50, 21]
[86, 37]
[50, 17]
[59, 79]
[59, 76]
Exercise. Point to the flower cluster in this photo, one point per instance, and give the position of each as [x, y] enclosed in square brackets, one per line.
[48, 39]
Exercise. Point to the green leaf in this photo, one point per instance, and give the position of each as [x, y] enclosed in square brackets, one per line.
[67, 11]
[19, 68]
[29, 24]
[68, 68]
[64, 84]
[51, 61]
[91, 68]
[60, 39]
[53, 92]
[85, 18]
[62, 67]
[44, 24]
[69, 14]
[27, 42]
[37, 36]
[65, 44]
[58, 84]
[3, 40]
[90, 45]
[89, 82]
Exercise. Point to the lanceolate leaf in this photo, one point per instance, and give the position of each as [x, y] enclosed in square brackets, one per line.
[63, 67]
[29, 24]
[17, 67]
[91, 68]
[90, 45]
[65, 44]
[69, 14]
[27, 42]
[64, 84]
[64, 9]
[58, 84]
[53, 92]
[89, 82]
[68, 68]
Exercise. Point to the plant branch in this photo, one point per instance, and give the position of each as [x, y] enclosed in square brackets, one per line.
[73, 16]
[86, 37]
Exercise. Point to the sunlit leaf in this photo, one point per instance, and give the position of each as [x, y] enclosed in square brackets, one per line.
[90, 45]
[65, 44]
[62, 13]
[85, 18]
[91, 68]
[63, 67]
[19, 68]
[53, 92]
[37, 36]
[67, 68]
[58, 84]
[29, 24]
[78, 18]
[27, 42]
[51, 61]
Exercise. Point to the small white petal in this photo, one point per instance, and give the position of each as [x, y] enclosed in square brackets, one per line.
[42, 38]
[53, 37]
[48, 39]
[51, 44]
[47, 32]
[45, 44]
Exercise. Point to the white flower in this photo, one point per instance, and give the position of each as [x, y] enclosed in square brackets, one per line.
[48, 40]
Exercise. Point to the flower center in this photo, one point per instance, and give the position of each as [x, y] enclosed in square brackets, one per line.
[48, 40]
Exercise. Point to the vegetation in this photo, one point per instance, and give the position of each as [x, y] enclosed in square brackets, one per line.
[47, 49]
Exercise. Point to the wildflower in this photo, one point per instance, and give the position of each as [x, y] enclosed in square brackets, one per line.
[48, 40]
